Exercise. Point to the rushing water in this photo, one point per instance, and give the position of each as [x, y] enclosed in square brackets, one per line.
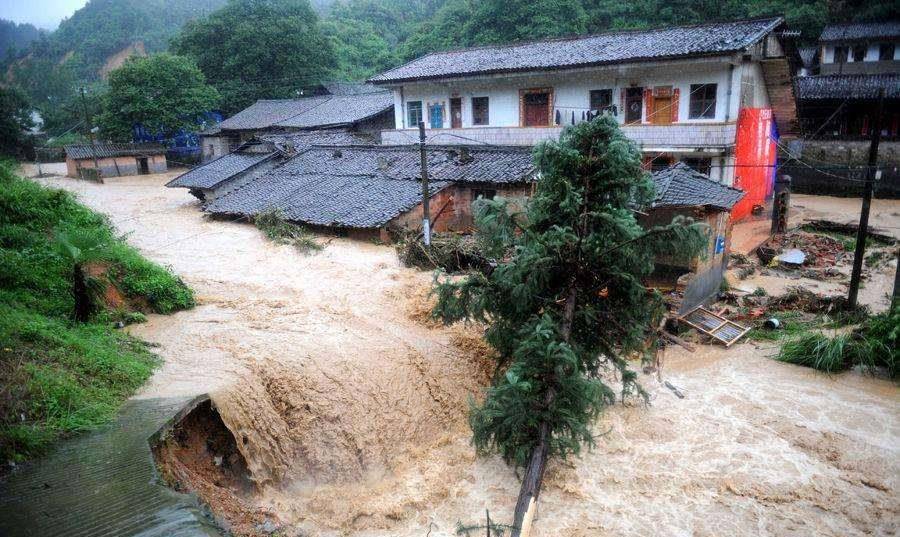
[351, 412]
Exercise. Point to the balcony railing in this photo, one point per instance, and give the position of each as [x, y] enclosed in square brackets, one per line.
[711, 136]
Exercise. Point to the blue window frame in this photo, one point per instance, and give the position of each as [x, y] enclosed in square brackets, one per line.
[436, 116]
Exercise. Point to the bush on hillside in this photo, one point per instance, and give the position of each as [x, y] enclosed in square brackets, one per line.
[57, 376]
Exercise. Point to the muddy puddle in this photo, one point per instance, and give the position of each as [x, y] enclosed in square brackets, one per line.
[348, 408]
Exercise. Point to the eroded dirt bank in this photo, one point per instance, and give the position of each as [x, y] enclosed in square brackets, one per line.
[350, 412]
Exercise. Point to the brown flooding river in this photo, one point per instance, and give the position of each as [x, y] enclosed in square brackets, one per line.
[351, 411]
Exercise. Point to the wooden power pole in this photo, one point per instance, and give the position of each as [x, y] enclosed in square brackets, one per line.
[863, 230]
[87, 121]
[426, 214]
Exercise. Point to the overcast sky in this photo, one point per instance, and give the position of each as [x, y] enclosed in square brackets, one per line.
[41, 13]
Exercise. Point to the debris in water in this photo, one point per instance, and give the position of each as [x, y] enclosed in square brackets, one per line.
[793, 256]
[675, 390]
[714, 325]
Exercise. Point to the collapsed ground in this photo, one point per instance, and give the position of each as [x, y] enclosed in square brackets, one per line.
[349, 411]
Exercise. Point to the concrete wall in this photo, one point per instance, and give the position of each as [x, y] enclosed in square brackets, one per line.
[213, 147]
[706, 271]
[571, 90]
[117, 166]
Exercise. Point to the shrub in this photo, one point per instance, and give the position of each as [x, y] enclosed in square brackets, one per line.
[276, 228]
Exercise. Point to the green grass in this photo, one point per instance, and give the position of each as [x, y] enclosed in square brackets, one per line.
[277, 229]
[59, 377]
[874, 346]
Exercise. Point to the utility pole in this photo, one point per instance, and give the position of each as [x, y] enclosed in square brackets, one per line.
[87, 121]
[863, 230]
[426, 214]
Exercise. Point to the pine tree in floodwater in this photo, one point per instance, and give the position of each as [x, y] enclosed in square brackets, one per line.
[565, 301]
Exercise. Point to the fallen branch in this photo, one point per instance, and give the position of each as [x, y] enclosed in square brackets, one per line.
[677, 340]
[675, 390]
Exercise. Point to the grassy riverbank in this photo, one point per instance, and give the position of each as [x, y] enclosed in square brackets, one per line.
[59, 376]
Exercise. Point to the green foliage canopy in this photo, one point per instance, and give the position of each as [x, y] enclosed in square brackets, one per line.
[258, 49]
[567, 301]
[15, 119]
[162, 92]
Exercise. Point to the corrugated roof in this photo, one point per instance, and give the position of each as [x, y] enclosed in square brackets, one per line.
[366, 187]
[682, 186]
[848, 86]
[86, 151]
[608, 48]
[856, 31]
[219, 170]
[341, 110]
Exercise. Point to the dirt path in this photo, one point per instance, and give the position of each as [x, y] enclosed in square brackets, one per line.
[352, 414]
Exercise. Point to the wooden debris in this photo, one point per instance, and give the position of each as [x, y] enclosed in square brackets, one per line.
[714, 325]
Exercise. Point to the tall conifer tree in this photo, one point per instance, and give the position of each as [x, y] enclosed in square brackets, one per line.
[566, 302]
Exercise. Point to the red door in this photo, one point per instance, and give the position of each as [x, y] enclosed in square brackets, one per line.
[537, 109]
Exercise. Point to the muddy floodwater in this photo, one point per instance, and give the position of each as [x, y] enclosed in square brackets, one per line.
[349, 407]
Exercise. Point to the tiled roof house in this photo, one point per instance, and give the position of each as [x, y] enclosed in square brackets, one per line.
[715, 95]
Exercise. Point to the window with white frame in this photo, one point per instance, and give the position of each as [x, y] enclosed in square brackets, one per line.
[413, 113]
[703, 101]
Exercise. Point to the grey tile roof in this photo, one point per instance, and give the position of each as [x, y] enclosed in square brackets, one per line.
[353, 201]
[848, 86]
[86, 151]
[682, 186]
[350, 88]
[366, 186]
[311, 112]
[303, 140]
[265, 113]
[219, 170]
[608, 48]
[856, 31]
[341, 110]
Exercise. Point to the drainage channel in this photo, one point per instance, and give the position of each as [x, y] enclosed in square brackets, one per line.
[103, 483]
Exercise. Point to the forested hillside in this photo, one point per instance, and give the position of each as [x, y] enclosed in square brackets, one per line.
[15, 37]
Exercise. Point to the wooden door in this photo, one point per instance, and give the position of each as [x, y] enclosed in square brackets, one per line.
[537, 109]
[662, 111]
[456, 113]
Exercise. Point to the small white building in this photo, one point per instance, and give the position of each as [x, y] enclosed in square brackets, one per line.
[681, 93]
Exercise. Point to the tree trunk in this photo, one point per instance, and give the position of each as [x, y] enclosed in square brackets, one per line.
[81, 295]
[526, 505]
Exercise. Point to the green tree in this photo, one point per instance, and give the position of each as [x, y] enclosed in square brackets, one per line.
[567, 302]
[256, 49]
[163, 92]
[467, 23]
[15, 120]
[360, 51]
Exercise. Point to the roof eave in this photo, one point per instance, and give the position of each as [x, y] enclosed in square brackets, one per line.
[557, 68]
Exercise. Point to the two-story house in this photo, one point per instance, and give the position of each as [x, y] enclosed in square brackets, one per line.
[702, 94]
[852, 64]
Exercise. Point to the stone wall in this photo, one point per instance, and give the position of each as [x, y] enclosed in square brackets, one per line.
[844, 152]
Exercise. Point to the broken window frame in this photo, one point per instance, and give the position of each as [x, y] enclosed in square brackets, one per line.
[701, 105]
[699, 164]
[413, 111]
[481, 111]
